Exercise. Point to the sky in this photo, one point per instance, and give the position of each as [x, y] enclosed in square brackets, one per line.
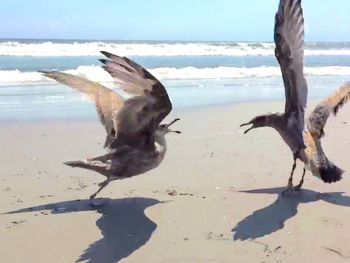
[186, 20]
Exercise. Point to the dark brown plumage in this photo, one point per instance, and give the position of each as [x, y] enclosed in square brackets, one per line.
[135, 137]
[304, 142]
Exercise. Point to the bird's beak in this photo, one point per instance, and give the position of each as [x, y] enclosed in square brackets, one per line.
[245, 124]
[175, 131]
[171, 123]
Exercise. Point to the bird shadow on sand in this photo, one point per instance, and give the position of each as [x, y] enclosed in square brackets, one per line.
[272, 218]
[123, 224]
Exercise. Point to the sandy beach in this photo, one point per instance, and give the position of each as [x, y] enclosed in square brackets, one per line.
[215, 197]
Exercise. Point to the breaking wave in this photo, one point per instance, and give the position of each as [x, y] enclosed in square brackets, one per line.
[96, 73]
[48, 48]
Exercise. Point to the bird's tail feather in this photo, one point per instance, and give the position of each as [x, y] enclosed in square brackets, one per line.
[95, 165]
[81, 164]
[330, 173]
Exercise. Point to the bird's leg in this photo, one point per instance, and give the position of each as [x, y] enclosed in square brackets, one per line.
[298, 187]
[290, 180]
[289, 188]
[101, 185]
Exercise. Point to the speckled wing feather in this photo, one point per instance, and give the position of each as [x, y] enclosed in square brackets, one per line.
[319, 163]
[107, 102]
[289, 39]
[142, 114]
[319, 116]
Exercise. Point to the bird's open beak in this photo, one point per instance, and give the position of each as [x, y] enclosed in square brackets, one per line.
[245, 124]
[171, 123]
[175, 131]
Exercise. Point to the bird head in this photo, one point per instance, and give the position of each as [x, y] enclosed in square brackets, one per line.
[164, 128]
[257, 122]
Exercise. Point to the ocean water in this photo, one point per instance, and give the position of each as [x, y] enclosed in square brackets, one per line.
[195, 74]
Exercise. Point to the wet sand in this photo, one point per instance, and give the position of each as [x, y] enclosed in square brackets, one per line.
[215, 197]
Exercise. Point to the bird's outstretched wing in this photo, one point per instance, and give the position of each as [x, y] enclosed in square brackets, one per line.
[319, 116]
[141, 114]
[107, 102]
[289, 40]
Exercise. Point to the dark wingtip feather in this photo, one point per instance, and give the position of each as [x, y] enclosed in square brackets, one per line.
[51, 74]
[105, 68]
[46, 73]
[107, 54]
[103, 61]
[339, 105]
[112, 56]
[331, 173]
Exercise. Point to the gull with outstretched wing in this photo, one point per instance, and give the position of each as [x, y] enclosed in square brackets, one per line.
[302, 136]
[135, 136]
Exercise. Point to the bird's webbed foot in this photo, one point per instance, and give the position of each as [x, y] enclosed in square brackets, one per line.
[292, 189]
[98, 202]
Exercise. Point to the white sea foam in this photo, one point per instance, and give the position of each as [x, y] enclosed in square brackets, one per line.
[43, 49]
[16, 76]
[96, 73]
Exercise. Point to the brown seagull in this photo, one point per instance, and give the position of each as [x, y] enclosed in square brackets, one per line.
[304, 142]
[135, 138]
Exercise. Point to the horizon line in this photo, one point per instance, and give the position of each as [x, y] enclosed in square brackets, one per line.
[161, 40]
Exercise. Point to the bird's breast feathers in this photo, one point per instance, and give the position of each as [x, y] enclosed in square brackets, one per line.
[160, 149]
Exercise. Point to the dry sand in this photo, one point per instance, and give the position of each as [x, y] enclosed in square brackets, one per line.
[185, 210]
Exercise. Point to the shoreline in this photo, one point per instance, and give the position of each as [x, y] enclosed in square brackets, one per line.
[185, 109]
[213, 179]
